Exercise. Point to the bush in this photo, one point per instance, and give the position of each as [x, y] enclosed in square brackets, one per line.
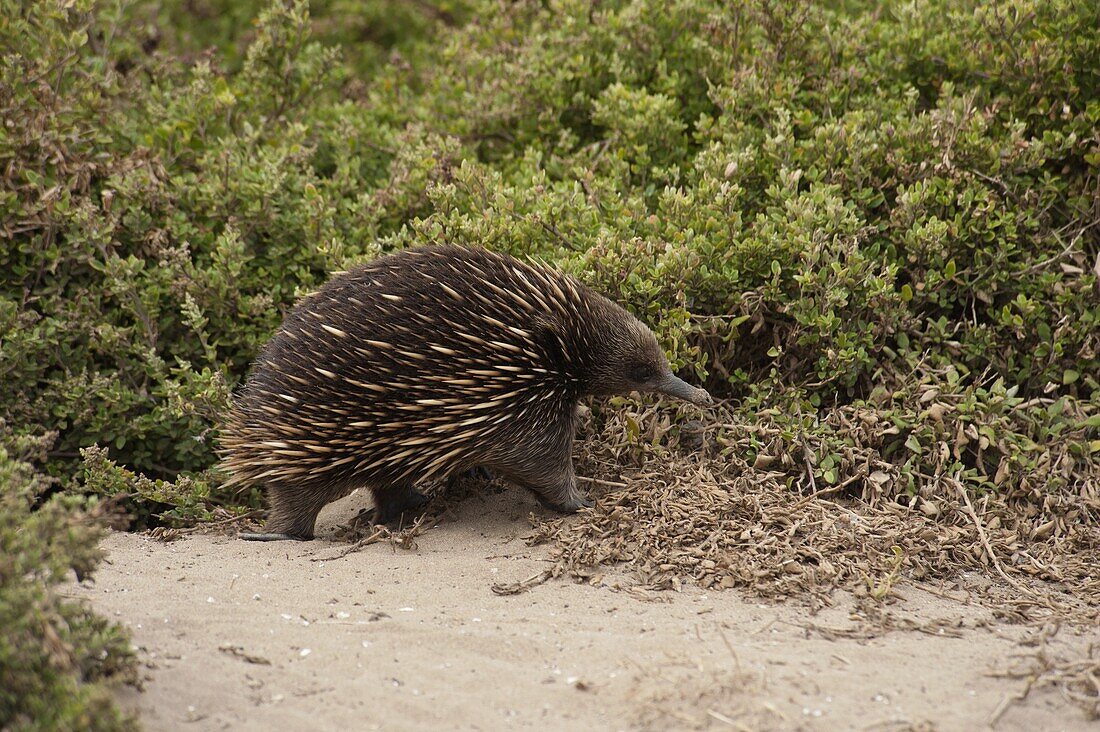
[58, 661]
[807, 201]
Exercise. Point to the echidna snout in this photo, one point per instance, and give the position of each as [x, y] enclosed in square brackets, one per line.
[633, 361]
[426, 363]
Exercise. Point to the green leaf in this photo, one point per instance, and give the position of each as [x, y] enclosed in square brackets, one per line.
[222, 93]
[632, 428]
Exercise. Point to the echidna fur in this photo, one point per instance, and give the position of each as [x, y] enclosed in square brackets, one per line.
[426, 363]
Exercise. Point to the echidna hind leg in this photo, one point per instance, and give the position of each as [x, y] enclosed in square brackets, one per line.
[393, 501]
[292, 515]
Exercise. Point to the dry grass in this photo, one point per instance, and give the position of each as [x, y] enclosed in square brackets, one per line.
[1075, 676]
[708, 517]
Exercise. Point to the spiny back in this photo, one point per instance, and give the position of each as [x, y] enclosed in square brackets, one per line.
[412, 364]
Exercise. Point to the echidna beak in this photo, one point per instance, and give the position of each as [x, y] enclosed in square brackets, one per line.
[676, 387]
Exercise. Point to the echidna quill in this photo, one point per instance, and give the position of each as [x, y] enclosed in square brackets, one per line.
[424, 364]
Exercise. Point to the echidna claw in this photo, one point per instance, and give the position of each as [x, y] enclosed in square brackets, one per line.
[252, 536]
[571, 507]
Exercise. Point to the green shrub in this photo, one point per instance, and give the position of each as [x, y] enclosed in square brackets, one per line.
[803, 198]
[58, 661]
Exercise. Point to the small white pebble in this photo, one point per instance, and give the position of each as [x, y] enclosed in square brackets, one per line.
[366, 644]
[342, 615]
[286, 616]
[404, 609]
[477, 620]
[304, 652]
[256, 596]
[210, 599]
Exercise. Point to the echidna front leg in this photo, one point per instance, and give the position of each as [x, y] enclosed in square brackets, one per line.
[544, 464]
[478, 474]
[555, 484]
[563, 497]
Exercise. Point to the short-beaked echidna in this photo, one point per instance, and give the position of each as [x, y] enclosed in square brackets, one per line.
[424, 364]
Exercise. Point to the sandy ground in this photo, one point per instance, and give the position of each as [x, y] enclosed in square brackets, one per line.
[243, 635]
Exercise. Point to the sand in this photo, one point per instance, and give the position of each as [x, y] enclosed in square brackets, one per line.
[244, 635]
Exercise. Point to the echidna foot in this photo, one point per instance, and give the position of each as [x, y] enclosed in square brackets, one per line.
[479, 474]
[292, 515]
[571, 505]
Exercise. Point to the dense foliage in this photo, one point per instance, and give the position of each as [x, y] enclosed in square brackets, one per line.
[58, 660]
[818, 206]
[820, 200]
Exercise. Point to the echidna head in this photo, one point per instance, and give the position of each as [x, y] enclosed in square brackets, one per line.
[631, 360]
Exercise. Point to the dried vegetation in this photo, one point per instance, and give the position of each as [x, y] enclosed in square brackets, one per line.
[749, 507]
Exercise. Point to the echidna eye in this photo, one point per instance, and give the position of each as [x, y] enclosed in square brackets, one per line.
[640, 373]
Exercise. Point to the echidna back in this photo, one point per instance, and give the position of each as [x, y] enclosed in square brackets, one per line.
[412, 366]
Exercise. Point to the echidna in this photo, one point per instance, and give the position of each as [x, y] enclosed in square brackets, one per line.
[424, 364]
